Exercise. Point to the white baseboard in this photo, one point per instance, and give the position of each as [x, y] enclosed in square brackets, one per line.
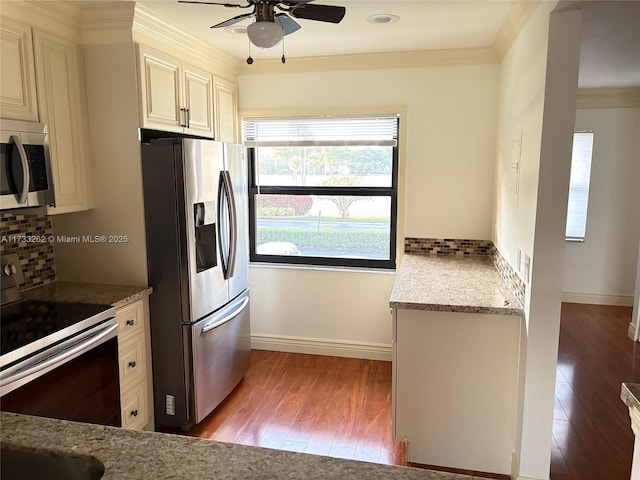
[527, 478]
[596, 299]
[321, 346]
[631, 332]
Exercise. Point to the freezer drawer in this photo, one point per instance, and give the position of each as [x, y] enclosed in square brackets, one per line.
[221, 348]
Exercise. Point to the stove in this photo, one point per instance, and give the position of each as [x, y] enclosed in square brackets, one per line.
[27, 327]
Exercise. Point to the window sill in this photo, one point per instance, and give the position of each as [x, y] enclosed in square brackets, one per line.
[332, 268]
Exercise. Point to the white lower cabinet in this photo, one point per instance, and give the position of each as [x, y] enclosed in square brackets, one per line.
[133, 330]
[455, 388]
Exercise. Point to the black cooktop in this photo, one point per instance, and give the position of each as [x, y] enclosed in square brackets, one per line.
[25, 322]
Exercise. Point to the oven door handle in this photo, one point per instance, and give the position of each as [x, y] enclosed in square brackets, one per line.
[86, 343]
[26, 173]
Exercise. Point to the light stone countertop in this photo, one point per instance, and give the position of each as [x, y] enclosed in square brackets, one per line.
[76, 292]
[151, 455]
[450, 283]
[630, 395]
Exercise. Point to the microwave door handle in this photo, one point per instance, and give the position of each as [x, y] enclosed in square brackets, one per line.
[233, 234]
[26, 173]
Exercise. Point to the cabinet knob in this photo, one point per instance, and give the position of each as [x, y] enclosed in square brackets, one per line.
[130, 323]
[132, 364]
[134, 413]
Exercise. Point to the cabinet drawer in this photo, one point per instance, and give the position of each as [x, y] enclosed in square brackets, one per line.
[130, 320]
[132, 360]
[134, 408]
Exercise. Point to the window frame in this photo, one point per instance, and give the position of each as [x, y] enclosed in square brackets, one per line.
[303, 260]
[585, 210]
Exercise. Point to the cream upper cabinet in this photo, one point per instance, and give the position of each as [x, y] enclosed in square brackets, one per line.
[174, 96]
[197, 91]
[61, 98]
[17, 77]
[226, 110]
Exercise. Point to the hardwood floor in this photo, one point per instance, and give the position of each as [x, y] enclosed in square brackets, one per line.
[342, 407]
[592, 437]
[333, 406]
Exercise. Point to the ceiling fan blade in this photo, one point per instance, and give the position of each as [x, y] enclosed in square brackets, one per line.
[288, 24]
[233, 5]
[232, 21]
[323, 13]
[293, 3]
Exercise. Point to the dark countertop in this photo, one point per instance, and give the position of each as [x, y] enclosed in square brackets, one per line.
[77, 292]
[450, 283]
[141, 455]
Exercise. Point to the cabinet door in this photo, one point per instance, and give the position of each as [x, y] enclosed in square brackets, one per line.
[226, 111]
[197, 86]
[17, 78]
[63, 110]
[160, 90]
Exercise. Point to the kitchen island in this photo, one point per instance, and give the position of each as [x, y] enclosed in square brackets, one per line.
[141, 455]
[457, 335]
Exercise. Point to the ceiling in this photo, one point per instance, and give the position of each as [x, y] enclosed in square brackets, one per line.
[610, 55]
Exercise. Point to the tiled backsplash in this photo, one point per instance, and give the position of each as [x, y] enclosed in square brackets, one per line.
[508, 274]
[450, 246]
[447, 246]
[28, 236]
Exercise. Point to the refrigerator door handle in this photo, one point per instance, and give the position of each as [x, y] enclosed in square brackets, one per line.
[228, 233]
[226, 318]
[223, 225]
[233, 234]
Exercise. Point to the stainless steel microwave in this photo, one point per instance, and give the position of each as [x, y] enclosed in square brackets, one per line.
[25, 165]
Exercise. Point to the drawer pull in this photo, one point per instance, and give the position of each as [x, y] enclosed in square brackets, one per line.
[132, 364]
[131, 323]
[134, 413]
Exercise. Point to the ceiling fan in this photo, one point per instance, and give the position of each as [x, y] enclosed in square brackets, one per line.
[273, 17]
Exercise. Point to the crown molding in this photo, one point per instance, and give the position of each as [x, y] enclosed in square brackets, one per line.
[372, 61]
[59, 17]
[107, 22]
[516, 19]
[149, 28]
[628, 97]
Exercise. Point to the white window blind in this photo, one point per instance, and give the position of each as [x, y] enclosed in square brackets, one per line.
[320, 131]
[579, 186]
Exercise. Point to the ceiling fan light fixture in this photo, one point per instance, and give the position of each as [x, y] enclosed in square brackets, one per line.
[383, 18]
[265, 34]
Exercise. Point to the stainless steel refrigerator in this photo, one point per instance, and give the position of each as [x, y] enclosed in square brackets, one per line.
[195, 199]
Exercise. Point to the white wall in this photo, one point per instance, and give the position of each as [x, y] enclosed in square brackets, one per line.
[117, 177]
[446, 154]
[602, 269]
[537, 99]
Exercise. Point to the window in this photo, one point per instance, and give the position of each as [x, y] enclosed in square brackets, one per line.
[579, 186]
[323, 190]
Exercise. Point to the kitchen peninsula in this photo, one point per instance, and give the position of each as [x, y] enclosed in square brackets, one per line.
[457, 336]
[142, 454]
